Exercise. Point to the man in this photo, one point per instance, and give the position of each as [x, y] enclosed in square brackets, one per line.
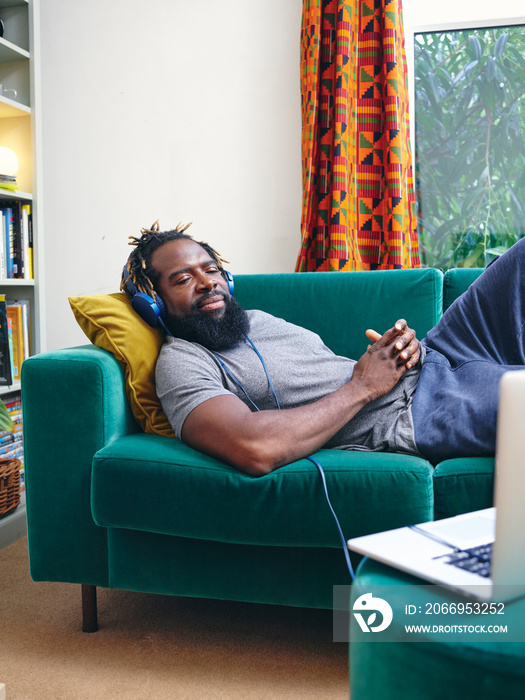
[224, 374]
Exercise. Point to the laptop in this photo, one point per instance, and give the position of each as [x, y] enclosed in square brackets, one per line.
[481, 554]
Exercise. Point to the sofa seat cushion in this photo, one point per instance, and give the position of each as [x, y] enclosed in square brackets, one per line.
[157, 484]
[462, 485]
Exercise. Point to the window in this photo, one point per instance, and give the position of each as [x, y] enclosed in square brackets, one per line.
[469, 143]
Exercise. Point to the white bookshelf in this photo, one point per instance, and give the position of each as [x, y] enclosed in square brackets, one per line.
[20, 128]
[15, 386]
[17, 283]
[10, 52]
[10, 108]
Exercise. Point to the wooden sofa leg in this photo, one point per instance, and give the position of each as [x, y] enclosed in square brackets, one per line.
[89, 608]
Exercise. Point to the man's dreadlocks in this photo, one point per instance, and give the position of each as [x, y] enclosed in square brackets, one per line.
[139, 269]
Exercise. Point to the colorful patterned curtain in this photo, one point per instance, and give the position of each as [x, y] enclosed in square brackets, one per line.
[358, 191]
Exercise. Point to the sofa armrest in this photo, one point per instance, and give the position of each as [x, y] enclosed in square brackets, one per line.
[74, 404]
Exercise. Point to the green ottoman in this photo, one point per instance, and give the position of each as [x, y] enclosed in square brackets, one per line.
[444, 666]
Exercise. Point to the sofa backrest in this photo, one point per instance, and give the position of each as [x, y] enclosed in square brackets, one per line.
[341, 306]
[456, 281]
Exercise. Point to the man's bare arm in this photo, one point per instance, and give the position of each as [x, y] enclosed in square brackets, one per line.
[257, 443]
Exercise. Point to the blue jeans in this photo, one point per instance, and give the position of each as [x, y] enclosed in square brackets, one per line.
[479, 337]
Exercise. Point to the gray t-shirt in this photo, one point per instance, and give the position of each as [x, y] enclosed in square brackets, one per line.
[302, 370]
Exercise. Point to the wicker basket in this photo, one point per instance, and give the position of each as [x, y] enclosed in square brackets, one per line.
[9, 485]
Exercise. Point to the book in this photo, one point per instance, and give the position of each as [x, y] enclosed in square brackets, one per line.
[13, 400]
[10, 342]
[14, 316]
[9, 243]
[12, 443]
[27, 231]
[6, 377]
[3, 265]
[11, 186]
[18, 322]
[17, 244]
[25, 313]
[8, 182]
[16, 249]
[15, 411]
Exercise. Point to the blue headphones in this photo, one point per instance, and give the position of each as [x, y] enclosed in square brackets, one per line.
[152, 309]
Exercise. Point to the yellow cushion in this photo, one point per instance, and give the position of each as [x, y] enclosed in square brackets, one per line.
[110, 322]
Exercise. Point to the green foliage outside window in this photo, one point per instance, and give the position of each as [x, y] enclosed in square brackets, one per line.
[5, 420]
[470, 144]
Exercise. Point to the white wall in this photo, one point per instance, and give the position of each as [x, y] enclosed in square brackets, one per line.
[187, 111]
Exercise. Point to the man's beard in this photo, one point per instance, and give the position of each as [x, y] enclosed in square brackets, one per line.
[215, 334]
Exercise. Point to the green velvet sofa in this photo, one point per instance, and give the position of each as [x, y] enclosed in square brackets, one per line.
[110, 506]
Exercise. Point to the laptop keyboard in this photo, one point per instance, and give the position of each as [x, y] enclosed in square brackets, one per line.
[476, 559]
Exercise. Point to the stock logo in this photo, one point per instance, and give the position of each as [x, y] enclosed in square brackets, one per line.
[367, 602]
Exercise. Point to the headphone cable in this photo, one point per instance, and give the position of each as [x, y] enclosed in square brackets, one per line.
[339, 528]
